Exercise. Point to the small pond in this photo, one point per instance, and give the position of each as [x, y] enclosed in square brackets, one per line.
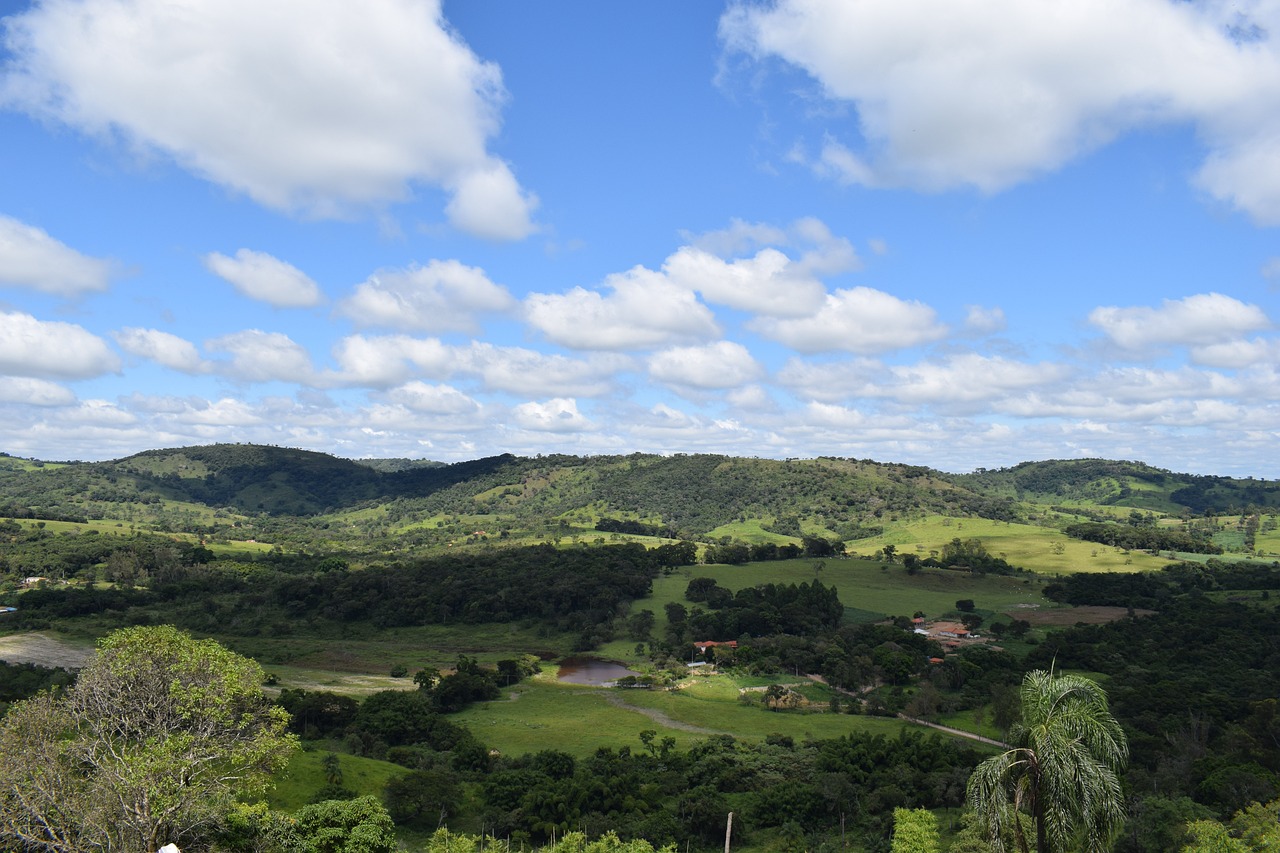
[592, 671]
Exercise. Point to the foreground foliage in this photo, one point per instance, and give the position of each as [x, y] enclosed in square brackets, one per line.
[1062, 769]
[158, 734]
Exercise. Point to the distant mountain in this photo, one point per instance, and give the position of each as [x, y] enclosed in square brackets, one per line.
[685, 495]
[1132, 484]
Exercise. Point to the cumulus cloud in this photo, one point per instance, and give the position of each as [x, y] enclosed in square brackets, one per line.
[163, 348]
[22, 390]
[769, 282]
[518, 370]
[860, 320]
[258, 356]
[724, 364]
[1237, 354]
[323, 107]
[988, 94]
[643, 310]
[442, 296]
[385, 360]
[1203, 319]
[433, 399]
[557, 415]
[260, 276]
[51, 350]
[29, 257]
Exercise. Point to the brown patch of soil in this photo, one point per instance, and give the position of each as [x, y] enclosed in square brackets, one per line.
[43, 650]
[1090, 615]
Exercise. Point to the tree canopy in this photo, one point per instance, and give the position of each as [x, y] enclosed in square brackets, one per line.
[157, 736]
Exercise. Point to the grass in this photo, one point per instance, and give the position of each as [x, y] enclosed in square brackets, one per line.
[1043, 550]
[867, 589]
[305, 775]
[543, 714]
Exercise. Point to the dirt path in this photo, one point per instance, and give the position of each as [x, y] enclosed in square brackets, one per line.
[43, 650]
[951, 731]
[661, 718]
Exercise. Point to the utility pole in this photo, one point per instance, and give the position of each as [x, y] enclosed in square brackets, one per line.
[728, 831]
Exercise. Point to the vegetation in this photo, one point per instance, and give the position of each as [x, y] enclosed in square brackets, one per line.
[157, 736]
[1062, 769]
[462, 581]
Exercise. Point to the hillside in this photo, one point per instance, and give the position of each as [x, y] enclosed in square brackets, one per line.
[306, 499]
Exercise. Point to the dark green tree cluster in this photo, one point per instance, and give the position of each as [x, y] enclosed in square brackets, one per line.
[1141, 538]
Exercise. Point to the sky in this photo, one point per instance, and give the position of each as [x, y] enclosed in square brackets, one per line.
[955, 233]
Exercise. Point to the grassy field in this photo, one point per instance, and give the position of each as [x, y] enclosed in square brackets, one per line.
[305, 775]
[867, 588]
[1043, 550]
[544, 714]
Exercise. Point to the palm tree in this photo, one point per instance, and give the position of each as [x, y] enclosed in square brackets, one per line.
[1060, 770]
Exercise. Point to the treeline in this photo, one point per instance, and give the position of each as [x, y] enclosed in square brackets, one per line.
[1155, 590]
[635, 528]
[1140, 538]
[737, 553]
[1195, 687]
[757, 611]
[577, 590]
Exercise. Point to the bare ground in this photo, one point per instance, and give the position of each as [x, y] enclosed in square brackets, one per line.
[43, 650]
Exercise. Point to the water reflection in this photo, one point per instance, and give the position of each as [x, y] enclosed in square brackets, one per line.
[592, 672]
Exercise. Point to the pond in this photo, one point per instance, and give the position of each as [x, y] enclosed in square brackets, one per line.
[592, 672]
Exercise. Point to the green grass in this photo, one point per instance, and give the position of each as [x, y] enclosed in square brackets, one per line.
[1043, 550]
[579, 720]
[868, 590]
[296, 784]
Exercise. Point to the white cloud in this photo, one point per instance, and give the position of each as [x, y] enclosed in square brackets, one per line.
[644, 310]
[523, 371]
[489, 203]
[260, 276]
[557, 415]
[21, 390]
[258, 356]
[442, 296]
[724, 364]
[163, 348]
[983, 321]
[988, 93]
[770, 282]
[1237, 354]
[433, 399]
[319, 106]
[1203, 319]
[767, 283]
[51, 349]
[29, 257]
[860, 320]
[386, 360]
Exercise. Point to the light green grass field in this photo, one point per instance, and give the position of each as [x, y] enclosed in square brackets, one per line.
[578, 720]
[863, 585]
[305, 775]
[1038, 549]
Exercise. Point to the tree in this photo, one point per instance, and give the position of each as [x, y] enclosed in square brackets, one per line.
[153, 743]
[915, 831]
[1061, 770]
[361, 825]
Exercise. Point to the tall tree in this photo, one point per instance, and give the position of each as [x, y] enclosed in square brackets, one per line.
[1061, 770]
[158, 735]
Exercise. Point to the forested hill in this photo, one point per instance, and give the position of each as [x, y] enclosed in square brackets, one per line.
[1131, 484]
[681, 495]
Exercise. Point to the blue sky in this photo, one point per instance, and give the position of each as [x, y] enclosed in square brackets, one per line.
[958, 233]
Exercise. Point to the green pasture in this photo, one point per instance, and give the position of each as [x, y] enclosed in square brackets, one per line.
[294, 786]
[1043, 550]
[543, 714]
[867, 588]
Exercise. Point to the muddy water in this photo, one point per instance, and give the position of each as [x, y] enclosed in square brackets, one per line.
[591, 671]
